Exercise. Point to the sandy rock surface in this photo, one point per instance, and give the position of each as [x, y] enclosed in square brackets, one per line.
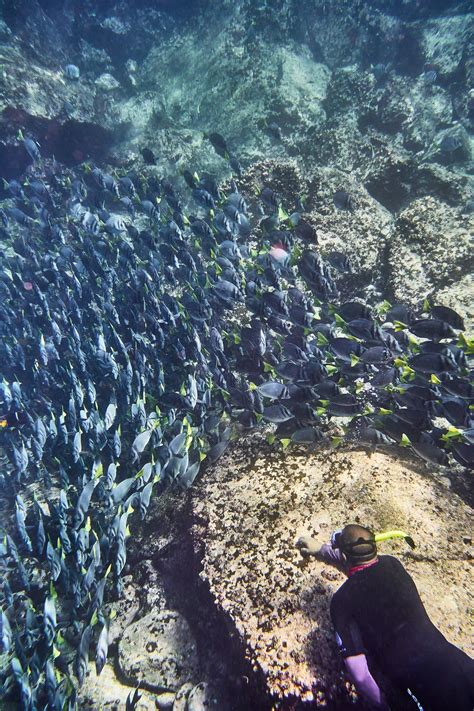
[107, 692]
[360, 233]
[252, 507]
[430, 253]
[158, 651]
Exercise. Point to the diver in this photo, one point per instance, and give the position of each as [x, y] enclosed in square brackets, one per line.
[382, 626]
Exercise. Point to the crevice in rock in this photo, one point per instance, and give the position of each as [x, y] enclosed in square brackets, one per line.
[389, 190]
[220, 648]
[69, 141]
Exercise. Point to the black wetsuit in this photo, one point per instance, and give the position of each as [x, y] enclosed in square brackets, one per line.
[378, 612]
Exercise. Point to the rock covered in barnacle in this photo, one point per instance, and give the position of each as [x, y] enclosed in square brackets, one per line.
[430, 252]
[93, 59]
[284, 177]
[251, 508]
[159, 651]
[347, 90]
[108, 693]
[360, 232]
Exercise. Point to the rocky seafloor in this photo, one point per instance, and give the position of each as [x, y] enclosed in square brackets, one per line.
[312, 99]
[339, 93]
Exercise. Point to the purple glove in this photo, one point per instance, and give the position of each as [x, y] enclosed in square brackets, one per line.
[330, 555]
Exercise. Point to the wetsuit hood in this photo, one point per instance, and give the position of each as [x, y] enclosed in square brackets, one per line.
[357, 543]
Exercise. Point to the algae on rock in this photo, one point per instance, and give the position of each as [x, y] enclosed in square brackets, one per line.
[250, 509]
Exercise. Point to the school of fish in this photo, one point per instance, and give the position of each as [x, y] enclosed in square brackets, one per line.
[138, 335]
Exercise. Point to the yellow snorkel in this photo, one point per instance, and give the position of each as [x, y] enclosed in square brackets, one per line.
[388, 535]
[353, 538]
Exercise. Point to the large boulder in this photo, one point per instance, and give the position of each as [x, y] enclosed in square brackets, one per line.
[107, 692]
[249, 511]
[159, 652]
[446, 41]
[125, 610]
[430, 254]
[227, 94]
[361, 232]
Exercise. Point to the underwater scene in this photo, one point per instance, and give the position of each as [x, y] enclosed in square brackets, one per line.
[236, 355]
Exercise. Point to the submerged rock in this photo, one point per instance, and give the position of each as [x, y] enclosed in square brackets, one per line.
[451, 146]
[361, 232]
[200, 698]
[107, 82]
[109, 693]
[445, 40]
[126, 610]
[250, 510]
[181, 698]
[431, 251]
[158, 651]
[165, 701]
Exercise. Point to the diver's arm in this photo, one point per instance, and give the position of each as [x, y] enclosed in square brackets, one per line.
[330, 554]
[310, 547]
[364, 681]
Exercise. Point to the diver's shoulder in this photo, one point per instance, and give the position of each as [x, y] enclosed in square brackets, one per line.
[389, 561]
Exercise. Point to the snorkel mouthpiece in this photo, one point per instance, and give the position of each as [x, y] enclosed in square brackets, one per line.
[335, 536]
[388, 535]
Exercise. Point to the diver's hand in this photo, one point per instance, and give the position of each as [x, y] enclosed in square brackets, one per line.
[308, 546]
